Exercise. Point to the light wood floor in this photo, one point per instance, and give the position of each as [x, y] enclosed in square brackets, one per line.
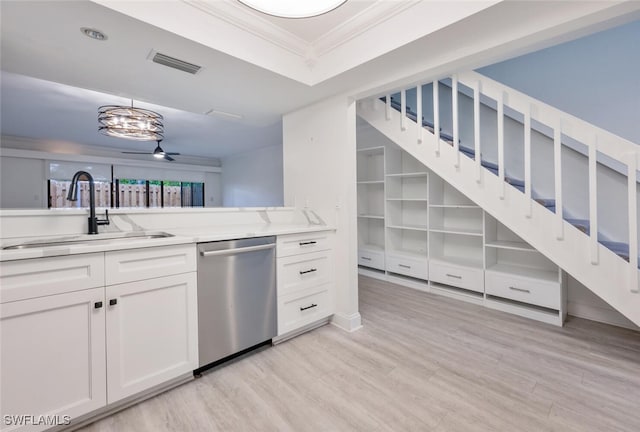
[421, 363]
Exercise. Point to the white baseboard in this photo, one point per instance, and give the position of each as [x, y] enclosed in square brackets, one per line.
[349, 323]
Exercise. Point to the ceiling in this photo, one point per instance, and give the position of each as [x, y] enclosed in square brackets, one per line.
[253, 65]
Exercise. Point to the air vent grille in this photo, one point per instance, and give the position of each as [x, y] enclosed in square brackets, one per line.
[175, 63]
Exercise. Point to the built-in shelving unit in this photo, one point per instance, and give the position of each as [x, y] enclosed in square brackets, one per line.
[417, 230]
[371, 206]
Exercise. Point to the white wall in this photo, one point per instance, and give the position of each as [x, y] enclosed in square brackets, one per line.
[22, 183]
[253, 178]
[595, 78]
[319, 149]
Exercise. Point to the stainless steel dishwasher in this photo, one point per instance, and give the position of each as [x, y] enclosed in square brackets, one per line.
[236, 297]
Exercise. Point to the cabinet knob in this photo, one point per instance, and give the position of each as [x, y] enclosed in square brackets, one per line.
[97, 305]
[113, 302]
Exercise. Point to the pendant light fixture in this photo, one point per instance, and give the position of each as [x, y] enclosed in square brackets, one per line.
[130, 123]
[293, 8]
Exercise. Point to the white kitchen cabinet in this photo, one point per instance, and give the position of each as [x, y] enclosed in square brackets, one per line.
[31, 278]
[305, 282]
[146, 263]
[53, 355]
[151, 333]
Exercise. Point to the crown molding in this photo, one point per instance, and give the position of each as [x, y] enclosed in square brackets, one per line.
[360, 23]
[241, 17]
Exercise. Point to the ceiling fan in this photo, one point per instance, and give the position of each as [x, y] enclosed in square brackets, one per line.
[157, 153]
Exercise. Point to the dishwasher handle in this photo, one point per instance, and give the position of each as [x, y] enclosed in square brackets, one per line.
[237, 250]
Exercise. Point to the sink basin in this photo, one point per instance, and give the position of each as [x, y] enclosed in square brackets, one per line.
[90, 239]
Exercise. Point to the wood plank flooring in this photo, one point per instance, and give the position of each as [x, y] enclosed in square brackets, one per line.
[420, 363]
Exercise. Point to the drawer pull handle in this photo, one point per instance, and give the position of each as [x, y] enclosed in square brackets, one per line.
[97, 305]
[520, 289]
[308, 307]
[113, 302]
[404, 266]
[308, 271]
[366, 258]
[454, 276]
[307, 243]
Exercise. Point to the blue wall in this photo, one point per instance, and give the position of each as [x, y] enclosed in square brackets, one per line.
[595, 78]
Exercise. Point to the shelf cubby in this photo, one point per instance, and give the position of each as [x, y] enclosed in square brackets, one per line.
[370, 165]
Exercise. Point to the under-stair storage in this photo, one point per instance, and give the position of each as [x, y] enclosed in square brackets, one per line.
[520, 279]
[568, 187]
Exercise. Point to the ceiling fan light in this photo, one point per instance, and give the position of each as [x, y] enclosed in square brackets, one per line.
[130, 123]
[293, 8]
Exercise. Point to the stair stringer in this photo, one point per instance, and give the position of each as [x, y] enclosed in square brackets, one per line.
[609, 279]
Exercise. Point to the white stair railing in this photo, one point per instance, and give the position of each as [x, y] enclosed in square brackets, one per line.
[598, 141]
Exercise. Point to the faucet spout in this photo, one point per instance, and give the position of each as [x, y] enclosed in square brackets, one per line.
[72, 196]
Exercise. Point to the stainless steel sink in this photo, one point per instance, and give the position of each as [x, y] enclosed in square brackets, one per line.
[90, 239]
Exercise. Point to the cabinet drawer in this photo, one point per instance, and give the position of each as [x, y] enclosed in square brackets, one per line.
[298, 272]
[139, 264]
[30, 278]
[298, 309]
[537, 292]
[371, 258]
[408, 266]
[458, 276]
[295, 244]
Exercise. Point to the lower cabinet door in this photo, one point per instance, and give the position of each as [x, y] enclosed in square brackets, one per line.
[52, 359]
[152, 333]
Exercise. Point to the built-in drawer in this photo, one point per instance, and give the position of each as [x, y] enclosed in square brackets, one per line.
[417, 268]
[298, 309]
[303, 271]
[469, 278]
[532, 291]
[139, 264]
[295, 244]
[371, 258]
[30, 278]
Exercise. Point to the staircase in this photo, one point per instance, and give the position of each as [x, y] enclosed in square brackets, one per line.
[607, 266]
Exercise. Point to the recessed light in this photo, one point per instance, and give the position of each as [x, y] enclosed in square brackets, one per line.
[93, 33]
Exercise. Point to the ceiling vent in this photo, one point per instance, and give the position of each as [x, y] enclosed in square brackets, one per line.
[175, 63]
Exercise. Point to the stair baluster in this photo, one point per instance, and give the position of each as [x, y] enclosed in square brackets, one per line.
[527, 159]
[476, 130]
[632, 179]
[557, 181]
[454, 104]
[436, 114]
[501, 172]
[593, 198]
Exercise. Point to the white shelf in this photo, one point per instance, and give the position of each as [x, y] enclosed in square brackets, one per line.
[417, 255]
[466, 262]
[454, 206]
[371, 216]
[365, 182]
[408, 175]
[371, 247]
[409, 227]
[457, 231]
[515, 270]
[424, 200]
[511, 245]
[371, 150]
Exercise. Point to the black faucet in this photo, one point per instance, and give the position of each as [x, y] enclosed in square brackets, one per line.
[72, 196]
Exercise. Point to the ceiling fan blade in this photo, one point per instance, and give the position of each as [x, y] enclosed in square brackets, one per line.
[172, 154]
[127, 152]
[169, 158]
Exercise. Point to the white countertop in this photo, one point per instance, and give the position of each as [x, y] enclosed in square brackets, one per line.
[180, 236]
